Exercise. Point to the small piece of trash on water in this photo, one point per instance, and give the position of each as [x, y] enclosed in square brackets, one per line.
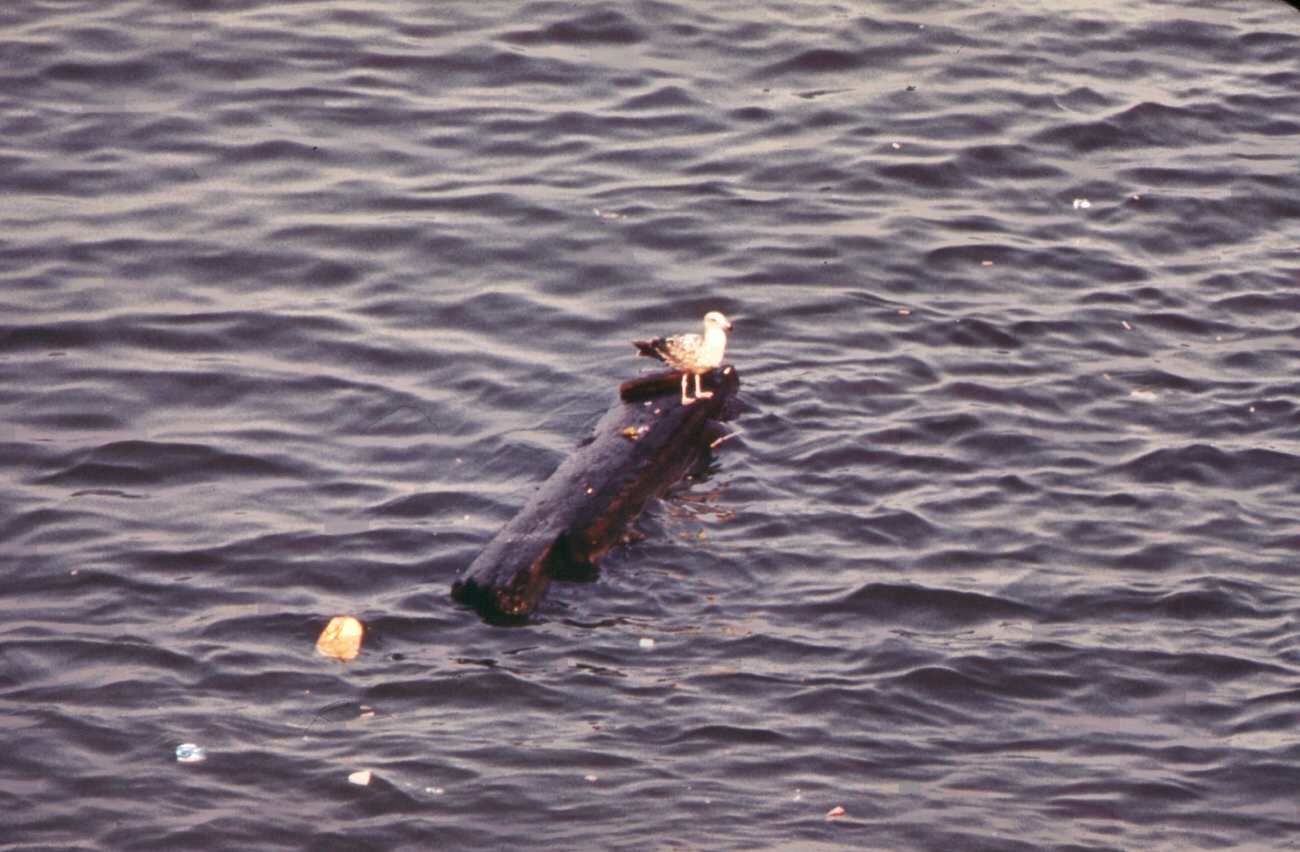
[895, 145]
[646, 642]
[190, 753]
[798, 796]
[341, 638]
[366, 712]
[903, 312]
[1082, 204]
[434, 791]
[1143, 394]
[361, 777]
[1127, 327]
[591, 779]
[835, 812]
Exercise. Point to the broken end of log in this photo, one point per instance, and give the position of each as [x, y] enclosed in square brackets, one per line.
[507, 578]
[505, 583]
[506, 604]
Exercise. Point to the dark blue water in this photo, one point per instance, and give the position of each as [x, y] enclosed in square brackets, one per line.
[300, 301]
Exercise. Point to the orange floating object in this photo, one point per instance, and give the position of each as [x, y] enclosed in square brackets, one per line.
[341, 638]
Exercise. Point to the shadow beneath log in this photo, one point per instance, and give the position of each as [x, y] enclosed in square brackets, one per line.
[643, 444]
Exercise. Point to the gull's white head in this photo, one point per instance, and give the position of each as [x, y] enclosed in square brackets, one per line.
[714, 319]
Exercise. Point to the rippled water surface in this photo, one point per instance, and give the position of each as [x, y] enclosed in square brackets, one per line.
[299, 301]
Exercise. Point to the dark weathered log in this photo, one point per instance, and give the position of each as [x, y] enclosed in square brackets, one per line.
[643, 444]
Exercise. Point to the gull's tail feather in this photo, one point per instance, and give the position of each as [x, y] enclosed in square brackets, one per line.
[652, 348]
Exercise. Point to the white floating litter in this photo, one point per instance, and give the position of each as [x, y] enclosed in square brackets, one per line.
[361, 777]
[190, 753]
[341, 638]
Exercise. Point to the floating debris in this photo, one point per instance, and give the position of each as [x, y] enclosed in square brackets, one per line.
[1082, 204]
[835, 812]
[1127, 327]
[361, 777]
[646, 642]
[341, 638]
[591, 779]
[190, 753]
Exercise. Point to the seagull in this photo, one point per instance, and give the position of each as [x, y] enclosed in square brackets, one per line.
[693, 354]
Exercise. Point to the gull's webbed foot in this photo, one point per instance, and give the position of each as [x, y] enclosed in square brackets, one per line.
[701, 394]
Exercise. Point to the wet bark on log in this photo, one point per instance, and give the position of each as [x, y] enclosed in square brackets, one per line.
[645, 442]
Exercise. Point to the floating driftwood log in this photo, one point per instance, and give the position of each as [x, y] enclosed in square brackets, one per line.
[645, 442]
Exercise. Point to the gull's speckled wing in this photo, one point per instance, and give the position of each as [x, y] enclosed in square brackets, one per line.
[681, 351]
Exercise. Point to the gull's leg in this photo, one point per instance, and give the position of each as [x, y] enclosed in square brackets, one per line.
[685, 400]
[699, 394]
